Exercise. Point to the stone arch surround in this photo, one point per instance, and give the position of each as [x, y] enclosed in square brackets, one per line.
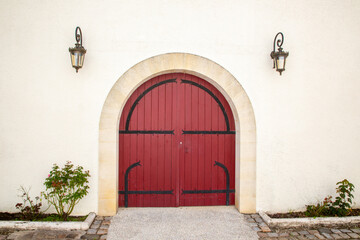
[245, 151]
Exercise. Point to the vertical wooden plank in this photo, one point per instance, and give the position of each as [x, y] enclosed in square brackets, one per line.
[214, 147]
[188, 145]
[201, 146]
[146, 163]
[154, 143]
[195, 141]
[133, 157]
[140, 147]
[168, 165]
[208, 148]
[161, 142]
[179, 149]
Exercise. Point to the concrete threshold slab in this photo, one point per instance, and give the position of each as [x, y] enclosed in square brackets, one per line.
[308, 222]
[28, 225]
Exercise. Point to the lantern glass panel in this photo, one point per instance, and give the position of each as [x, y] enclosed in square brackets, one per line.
[77, 59]
[280, 63]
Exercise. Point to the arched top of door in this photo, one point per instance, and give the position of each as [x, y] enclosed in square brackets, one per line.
[182, 80]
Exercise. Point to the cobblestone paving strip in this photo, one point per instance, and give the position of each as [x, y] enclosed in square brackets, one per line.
[266, 233]
[97, 230]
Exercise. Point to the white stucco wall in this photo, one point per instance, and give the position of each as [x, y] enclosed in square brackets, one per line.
[308, 120]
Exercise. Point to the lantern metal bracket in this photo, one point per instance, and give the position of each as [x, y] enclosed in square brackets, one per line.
[78, 37]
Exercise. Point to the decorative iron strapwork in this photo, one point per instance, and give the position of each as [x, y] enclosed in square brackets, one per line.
[127, 192]
[227, 190]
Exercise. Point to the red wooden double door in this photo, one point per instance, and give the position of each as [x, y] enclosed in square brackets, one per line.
[176, 145]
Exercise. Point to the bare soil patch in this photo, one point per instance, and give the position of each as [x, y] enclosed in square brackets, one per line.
[6, 216]
[354, 212]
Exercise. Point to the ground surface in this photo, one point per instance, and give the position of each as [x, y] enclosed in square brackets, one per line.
[180, 223]
[99, 228]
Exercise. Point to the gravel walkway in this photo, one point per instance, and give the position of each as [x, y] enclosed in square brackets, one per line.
[190, 223]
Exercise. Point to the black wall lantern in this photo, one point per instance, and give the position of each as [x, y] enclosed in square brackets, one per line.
[77, 54]
[279, 57]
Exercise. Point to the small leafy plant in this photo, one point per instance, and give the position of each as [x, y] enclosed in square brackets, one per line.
[29, 209]
[320, 209]
[65, 187]
[342, 204]
[340, 207]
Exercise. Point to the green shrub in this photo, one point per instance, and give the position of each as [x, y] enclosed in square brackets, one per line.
[65, 187]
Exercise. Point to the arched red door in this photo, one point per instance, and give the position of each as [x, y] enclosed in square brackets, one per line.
[176, 145]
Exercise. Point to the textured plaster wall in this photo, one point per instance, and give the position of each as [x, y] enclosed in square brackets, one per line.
[308, 120]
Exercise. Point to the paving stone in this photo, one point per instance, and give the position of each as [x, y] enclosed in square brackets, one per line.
[262, 234]
[335, 230]
[310, 236]
[77, 233]
[19, 234]
[2, 237]
[99, 218]
[325, 230]
[256, 229]
[46, 236]
[262, 224]
[72, 235]
[356, 230]
[284, 234]
[313, 231]
[294, 237]
[103, 237]
[258, 219]
[254, 215]
[95, 226]
[344, 235]
[102, 231]
[251, 220]
[92, 231]
[294, 234]
[108, 218]
[303, 232]
[104, 226]
[273, 234]
[319, 236]
[353, 235]
[90, 237]
[107, 222]
[336, 236]
[265, 229]
[327, 235]
[345, 230]
[301, 237]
